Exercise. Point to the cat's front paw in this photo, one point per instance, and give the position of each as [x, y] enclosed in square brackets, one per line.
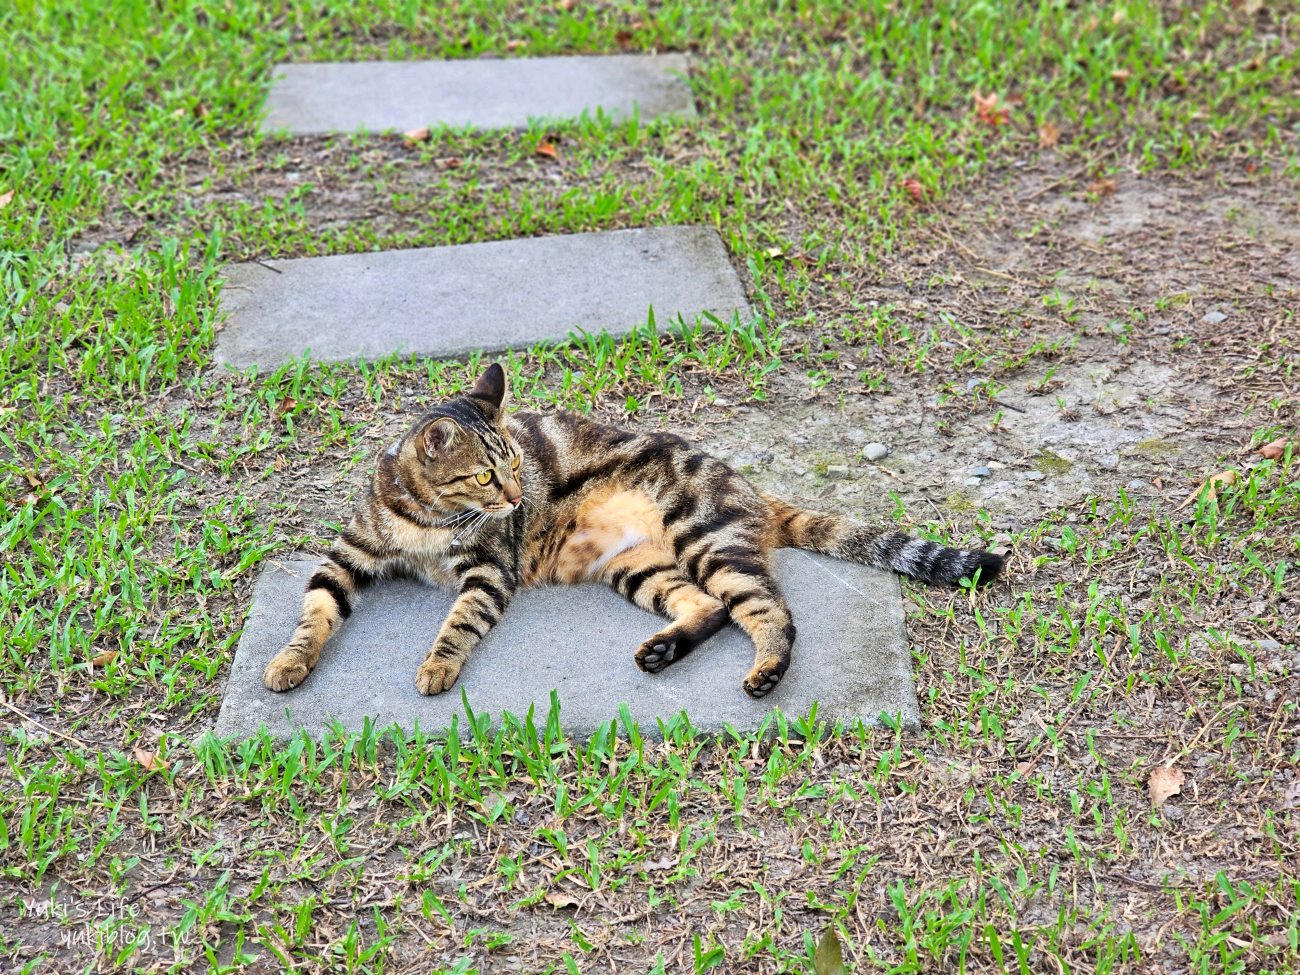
[285, 671]
[437, 674]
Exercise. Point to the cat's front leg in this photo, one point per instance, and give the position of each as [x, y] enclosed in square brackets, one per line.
[325, 605]
[485, 590]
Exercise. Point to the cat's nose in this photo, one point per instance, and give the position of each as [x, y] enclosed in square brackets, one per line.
[515, 499]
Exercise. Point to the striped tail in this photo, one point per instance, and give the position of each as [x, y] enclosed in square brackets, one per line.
[881, 548]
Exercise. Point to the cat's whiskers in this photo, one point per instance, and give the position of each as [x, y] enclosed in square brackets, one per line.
[482, 517]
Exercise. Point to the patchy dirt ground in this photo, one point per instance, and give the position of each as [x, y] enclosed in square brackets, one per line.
[1060, 344]
[1051, 344]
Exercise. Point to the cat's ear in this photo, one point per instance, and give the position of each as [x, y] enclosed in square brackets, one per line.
[490, 390]
[436, 438]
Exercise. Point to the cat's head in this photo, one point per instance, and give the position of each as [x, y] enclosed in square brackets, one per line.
[465, 455]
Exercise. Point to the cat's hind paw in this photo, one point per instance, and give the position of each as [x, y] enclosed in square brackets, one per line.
[437, 674]
[285, 672]
[763, 678]
[656, 653]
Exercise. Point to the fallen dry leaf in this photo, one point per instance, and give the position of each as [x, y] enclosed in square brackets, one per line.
[5, 197]
[986, 109]
[914, 189]
[560, 901]
[1211, 487]
[150, 760]
[515, 45]
[1103, 187]
[829, 957]
[1121, 75]
[103, 659]
[773, 252]
[417, 135]
[1274, 450]
[1048, 136]
[548, 150]
[666, 863]
[451, 162]
[1164, 781]
[1291, 798]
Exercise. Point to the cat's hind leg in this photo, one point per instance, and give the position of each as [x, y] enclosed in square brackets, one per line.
[647, 576]
[740, 577]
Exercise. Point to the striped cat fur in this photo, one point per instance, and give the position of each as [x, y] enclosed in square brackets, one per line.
[486, 502]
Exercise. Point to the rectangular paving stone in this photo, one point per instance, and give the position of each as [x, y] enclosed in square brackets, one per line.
[851, 656]
[310, 99]
[450, 301]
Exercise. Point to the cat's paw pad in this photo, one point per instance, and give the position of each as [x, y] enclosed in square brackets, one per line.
[656, 654]
[762, 679]
[436, 675]
[285, 672]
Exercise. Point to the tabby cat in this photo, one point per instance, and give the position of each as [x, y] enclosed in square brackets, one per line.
[486, 503]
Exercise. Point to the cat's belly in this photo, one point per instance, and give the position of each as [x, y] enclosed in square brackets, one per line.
[609, 522]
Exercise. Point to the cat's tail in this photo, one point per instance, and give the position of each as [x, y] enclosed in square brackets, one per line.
[883, 548]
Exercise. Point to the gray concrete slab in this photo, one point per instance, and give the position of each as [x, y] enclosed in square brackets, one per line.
[450, 301]
[851, 656]
[311, 99]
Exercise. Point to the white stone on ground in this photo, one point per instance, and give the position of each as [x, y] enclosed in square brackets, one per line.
[851, 655]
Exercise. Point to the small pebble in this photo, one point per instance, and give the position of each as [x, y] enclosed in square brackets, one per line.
[837, 472]
[972, 383]
[1268, 646]
[875, 451]
[980, 472]
[1035, 476]
[994, 465]
[973, 481]
[1214, 317]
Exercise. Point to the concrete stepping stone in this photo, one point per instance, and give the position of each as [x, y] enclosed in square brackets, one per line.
[851, 656]
[311, 99]
[450, 301]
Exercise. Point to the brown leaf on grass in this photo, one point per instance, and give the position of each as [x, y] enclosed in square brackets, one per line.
[1121, 75]
[1164, 781]
[5, 197]
[1291, 798]
[103, 659]
[1211, 487]
[829, 957]
[1103, 187]
[667, 863]
[914, 189]
[548, 150]
[451, 162]
[151, 761]
[515, 45]
[1048, 136]
[560, 901]
[1274, 450]
[413, 136]
[986, 109]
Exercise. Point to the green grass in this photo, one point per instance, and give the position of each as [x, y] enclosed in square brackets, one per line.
[140, 491]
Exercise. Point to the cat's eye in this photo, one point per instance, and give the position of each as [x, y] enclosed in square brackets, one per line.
[484, 477]
[515, 461]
